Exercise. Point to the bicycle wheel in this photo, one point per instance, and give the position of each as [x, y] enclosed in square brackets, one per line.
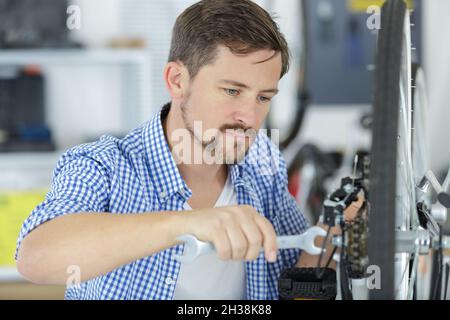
[392, 194]
[420, 162]
[420, 151]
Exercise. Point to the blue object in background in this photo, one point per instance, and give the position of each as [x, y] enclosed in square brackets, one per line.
[354, 46]
[338, 59]
[34, 133]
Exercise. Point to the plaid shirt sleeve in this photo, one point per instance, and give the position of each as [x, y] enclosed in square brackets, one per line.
[292, 220]
[79, 184]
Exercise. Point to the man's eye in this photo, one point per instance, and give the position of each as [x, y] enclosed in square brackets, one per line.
[232, 92]
[264, 99]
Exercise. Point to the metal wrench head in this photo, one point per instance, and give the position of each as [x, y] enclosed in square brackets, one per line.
[308, 238]
[191, 248]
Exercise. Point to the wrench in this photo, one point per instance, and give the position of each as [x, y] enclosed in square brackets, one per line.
[305, 241]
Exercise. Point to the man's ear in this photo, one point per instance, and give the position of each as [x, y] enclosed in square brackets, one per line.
[176, 78]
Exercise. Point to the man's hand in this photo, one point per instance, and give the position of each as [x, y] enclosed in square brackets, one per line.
[306, 260]
[350, 213]
[352, 210]
[237, 232]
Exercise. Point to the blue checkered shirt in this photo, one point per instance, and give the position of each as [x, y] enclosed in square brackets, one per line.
[138, 174]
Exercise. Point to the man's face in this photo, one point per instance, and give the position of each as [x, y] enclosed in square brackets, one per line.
[231, 98]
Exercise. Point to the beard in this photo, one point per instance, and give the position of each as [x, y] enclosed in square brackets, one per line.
[224, 148]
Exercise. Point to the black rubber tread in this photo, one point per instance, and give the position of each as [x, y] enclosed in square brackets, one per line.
[384, 146]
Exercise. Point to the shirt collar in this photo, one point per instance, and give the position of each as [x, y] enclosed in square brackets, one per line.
[162, 167]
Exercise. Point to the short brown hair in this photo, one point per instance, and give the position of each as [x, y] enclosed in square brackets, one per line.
[241, 25]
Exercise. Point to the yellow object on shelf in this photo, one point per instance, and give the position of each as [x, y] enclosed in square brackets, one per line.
[14, 209]
[362, 5]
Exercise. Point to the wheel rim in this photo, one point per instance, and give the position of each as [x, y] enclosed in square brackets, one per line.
[405, 193]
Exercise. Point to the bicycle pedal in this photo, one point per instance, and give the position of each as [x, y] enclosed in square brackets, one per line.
[304, 284]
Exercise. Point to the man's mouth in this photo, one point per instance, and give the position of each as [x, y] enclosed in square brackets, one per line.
[237, 134]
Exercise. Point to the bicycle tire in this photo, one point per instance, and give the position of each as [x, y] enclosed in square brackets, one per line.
[385, 145]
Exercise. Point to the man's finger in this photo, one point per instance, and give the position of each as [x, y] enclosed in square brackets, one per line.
[269, 238]
[222, 245]
[238, 241]
[254, 239]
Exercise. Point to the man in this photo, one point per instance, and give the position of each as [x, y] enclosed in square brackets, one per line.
[116, 206]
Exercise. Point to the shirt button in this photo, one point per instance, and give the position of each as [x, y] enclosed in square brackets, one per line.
[169, 281]
[162, 194]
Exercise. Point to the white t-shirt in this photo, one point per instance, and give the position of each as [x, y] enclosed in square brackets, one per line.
[208, 277]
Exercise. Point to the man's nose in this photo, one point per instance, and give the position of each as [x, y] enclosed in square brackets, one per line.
[246, 114]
